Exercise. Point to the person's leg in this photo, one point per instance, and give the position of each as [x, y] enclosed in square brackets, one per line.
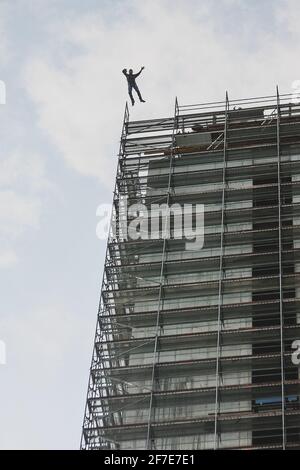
[138, 92]
[130, 94]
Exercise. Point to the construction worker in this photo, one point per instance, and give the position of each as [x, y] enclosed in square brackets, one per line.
[132, 84]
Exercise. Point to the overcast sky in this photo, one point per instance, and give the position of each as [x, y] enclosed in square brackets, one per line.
[61, 61]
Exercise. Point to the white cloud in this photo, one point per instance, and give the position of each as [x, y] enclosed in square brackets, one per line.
[22, 186]
[289, 17]
[79, 94]
[79, 99]
[67, 103]
[4, 46]
[41, 376]
[23, 168]
[8, 259]
[45, 335]
[80, 105]
[17, 212]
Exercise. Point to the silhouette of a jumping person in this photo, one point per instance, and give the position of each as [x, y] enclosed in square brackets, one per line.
[132, 84]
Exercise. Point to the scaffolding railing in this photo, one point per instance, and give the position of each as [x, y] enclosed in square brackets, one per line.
[220, 321]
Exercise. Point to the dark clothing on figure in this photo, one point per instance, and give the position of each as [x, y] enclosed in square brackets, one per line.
[131, 78]
[136, 88]
[132, 85]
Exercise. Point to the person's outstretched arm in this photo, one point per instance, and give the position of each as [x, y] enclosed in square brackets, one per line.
[137, 74]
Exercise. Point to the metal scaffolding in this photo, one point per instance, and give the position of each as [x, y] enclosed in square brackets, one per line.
[193, 346]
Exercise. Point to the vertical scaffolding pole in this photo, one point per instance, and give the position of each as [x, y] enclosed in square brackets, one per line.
[161, 282]
[97, 361]
[280, 273]
[219, 321]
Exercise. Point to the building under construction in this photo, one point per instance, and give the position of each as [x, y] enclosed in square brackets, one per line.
[193, 347]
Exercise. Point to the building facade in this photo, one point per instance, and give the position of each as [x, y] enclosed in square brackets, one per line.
[194, 341]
